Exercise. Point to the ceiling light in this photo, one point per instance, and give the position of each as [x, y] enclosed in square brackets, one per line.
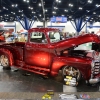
[53, 12]
[12, 5]
[94, 12]
[40, 15]
[4, 8]
[46, 10]
[66, 10]
[31, 8]
[62, 15]
[22, 15]
[70, 16]
[59, 1]
[90, 1]
[70, 5]
[32, 12]
[87, 10]
[39, 4]
[80, 8]
[24, 0]
[97, 5]
[27, 1]
[16, 5]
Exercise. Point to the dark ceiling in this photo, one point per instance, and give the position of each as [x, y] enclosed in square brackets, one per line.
[71, 9]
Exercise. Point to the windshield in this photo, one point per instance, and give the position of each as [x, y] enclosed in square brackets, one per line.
[55, 36]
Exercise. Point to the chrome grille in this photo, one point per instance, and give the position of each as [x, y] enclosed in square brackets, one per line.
[96, 69]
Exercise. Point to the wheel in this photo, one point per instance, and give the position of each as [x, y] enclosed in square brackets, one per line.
[71, 71]
[4, 61]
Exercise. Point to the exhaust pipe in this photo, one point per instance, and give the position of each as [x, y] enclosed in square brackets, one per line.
[93, 81]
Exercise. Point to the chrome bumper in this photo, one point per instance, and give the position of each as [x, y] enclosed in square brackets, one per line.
[93, 81]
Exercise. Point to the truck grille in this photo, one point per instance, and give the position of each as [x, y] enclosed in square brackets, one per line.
[96, 69]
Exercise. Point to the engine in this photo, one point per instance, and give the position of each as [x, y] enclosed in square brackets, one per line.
[95, 68]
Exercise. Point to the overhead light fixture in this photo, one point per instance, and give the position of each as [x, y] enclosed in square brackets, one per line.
[54, 12]
[70, 16]
[90, 1]
[29, 7]
[4, 8]
[62, 15]
[59, 1]
[66, 10]
[26, 1]
[97, 5]
[46, 10]
[12, 5]
[39, 4]
[19, 11]
[87, 10]
[16, 5]
[80, 8]
[70, 5]
[94, 12]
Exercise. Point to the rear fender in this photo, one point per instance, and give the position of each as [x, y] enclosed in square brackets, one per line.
[9, 54]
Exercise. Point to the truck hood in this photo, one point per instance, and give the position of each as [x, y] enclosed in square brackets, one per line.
[72, 42]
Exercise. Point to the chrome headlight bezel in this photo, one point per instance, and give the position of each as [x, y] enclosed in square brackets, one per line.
[92, 64]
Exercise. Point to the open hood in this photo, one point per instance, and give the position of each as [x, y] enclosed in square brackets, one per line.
[72, 42]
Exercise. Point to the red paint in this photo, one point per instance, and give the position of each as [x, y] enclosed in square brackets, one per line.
[46, 58]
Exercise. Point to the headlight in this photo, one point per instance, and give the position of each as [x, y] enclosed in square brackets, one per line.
[92, 64]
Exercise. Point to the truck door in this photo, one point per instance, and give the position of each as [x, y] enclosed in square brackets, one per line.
[37, 51]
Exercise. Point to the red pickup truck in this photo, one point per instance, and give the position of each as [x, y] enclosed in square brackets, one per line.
[46, 52]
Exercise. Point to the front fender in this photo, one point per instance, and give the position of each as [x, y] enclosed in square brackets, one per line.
[80, 63]
[8, 53]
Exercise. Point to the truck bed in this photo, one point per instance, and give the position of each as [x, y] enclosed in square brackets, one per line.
[16, 48]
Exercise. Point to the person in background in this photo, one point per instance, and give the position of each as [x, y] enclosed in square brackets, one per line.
[82, 33]
[22, 38]
[92, 32]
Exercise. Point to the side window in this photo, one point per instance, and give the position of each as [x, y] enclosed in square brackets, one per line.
[38, 37]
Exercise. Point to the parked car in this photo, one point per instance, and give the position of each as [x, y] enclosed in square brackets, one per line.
[45, 53]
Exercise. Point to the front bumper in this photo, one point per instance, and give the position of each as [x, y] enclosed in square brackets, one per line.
[95, 80]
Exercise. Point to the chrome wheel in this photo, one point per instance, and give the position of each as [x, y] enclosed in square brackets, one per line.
[71, 71]
[4, 61]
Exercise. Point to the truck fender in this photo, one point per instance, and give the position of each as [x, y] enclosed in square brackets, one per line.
[8, 54]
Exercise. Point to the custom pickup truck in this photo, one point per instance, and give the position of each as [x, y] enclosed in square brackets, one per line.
[46, 52]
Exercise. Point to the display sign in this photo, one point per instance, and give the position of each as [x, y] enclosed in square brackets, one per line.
[59, 19]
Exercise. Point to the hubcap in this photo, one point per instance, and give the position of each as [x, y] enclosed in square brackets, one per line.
[70, 71]
[4, 61]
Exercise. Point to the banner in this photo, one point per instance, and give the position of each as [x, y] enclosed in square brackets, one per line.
[59, 19]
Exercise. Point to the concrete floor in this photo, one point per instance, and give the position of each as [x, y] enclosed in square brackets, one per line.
[17, 81]
[16, 85]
